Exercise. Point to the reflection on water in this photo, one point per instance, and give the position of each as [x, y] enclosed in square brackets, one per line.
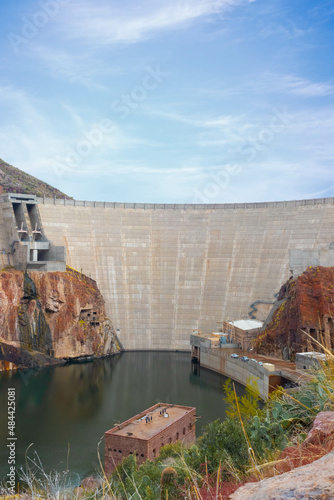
[78, 391]
[74, 405]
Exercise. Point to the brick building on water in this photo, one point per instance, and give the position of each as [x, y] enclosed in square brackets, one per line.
[144, 434]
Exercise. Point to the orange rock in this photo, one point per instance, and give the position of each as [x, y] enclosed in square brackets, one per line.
[322, 430]
[55, 313]
[307, 301]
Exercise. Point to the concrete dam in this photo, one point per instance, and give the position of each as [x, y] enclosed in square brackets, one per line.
[166, 270]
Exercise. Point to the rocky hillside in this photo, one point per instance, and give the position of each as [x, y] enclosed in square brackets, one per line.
[306, 302]
[14, 180]
[55, 314]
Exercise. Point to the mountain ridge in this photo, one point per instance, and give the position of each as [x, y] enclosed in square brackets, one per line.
[14, 180]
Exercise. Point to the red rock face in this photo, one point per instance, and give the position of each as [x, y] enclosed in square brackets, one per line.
[322, 431]
[308, 306]
[55, 313]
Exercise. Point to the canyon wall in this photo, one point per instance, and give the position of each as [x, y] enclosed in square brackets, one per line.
[165, 270]
[303, 316]
[56, 314]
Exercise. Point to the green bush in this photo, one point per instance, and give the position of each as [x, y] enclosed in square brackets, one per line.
[224, 442]
[266, 436]
[142, 483]
[247, 404]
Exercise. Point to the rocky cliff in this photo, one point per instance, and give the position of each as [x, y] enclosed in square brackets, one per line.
[305, 304]
[55, 314]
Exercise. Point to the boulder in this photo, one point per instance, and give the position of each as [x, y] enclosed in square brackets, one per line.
[314, 481]
[322, 430]
[319, 441]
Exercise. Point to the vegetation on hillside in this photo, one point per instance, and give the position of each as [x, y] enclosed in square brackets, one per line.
[14, 180]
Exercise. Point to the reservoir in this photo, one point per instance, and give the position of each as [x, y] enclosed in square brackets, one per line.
[64, 411]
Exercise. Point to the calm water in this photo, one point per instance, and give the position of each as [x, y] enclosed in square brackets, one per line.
[72, 406]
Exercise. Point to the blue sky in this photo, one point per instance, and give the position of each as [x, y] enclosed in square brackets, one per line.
[202, 101]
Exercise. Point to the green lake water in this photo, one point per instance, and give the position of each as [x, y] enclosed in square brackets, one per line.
[64, 411]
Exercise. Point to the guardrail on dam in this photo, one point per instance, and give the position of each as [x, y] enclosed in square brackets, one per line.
[235, 369]
[165, 270]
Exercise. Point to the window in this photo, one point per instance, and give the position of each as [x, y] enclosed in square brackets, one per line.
[184, 430]
[154, 452]
[177, 435]
[142, 455]
[170, 440]
[313, 333]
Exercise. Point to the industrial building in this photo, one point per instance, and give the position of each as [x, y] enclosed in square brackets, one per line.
[242, 331]
[144, 434]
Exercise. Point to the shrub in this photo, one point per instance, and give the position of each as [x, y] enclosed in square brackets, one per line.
[224, 442]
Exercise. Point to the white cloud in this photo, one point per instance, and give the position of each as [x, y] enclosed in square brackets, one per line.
[306, 88]
[33, 142]
[221, 121]
[145, 169]
[78, 67]
[292, 84]
[105, 24]
[286, 32]
[26, 136]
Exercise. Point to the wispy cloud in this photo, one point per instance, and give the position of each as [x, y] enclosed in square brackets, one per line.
[74, 67]
[220, 121]
[106, 24]
[138, 168]
[291, 84]
[27, 137]
[322, 12]
[286, 32]
[30, 140]
[304, 87]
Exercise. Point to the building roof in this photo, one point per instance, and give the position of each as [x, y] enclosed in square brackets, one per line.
[136, 427]
[246, 324]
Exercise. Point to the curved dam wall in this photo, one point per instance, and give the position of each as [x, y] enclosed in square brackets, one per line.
[236, 369]
[165, 270]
